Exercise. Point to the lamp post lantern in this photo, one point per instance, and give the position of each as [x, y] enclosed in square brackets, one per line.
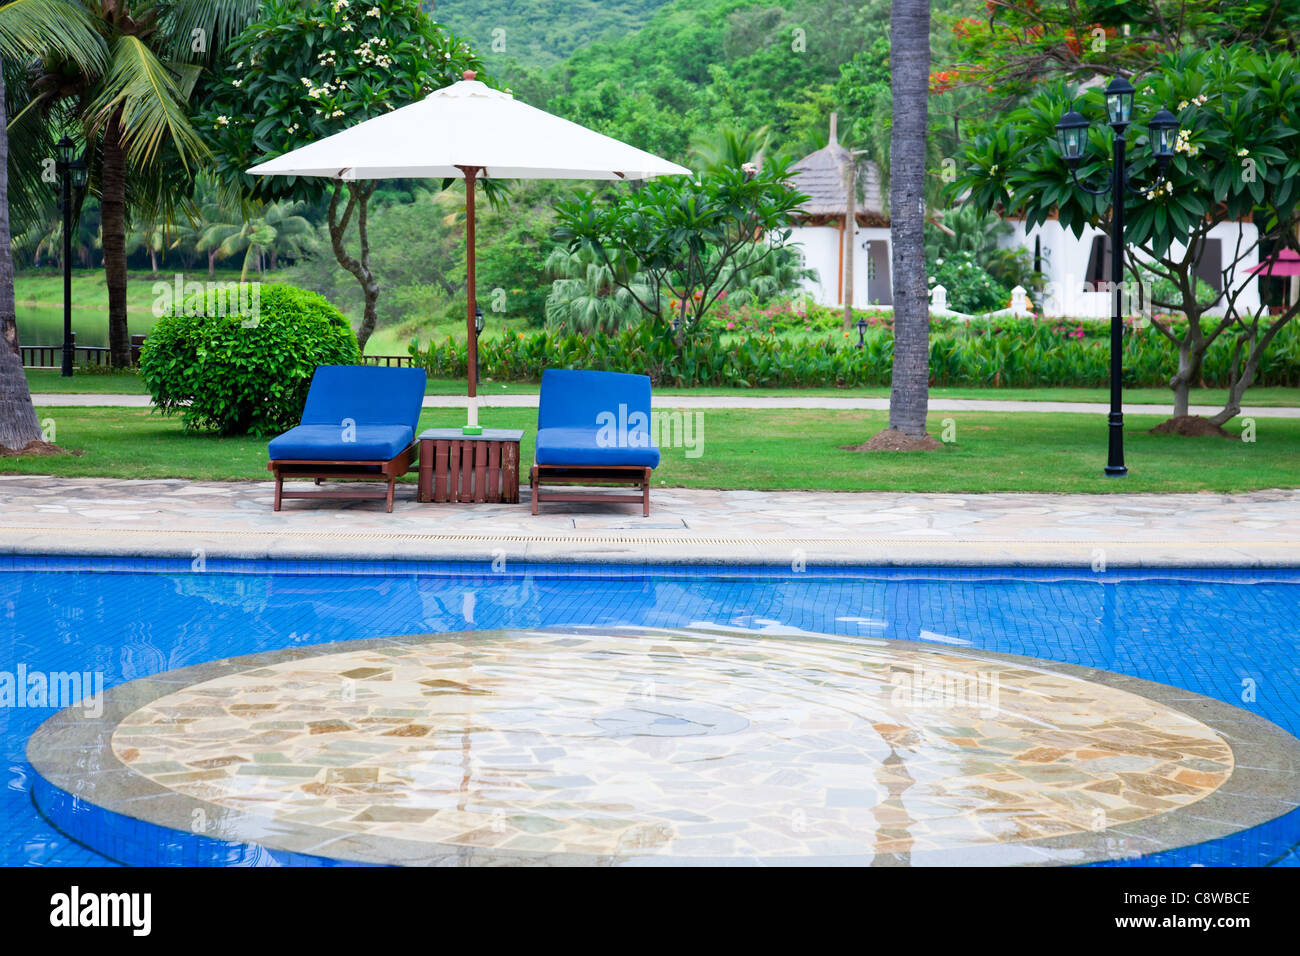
[71, 174]
[862, 332]
[1072, 139]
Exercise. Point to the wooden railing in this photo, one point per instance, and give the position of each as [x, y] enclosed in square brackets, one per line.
[51, 356]
[398, 360]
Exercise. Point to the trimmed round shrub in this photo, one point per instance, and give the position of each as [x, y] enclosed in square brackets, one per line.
[239, 360]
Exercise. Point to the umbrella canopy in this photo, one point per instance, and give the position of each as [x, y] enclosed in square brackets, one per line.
[1284, 263]
[469, 130]
[469, 124]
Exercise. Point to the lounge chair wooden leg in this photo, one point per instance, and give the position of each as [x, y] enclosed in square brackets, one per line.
[279, 489]
[645, 495]
[391, 483]
[536, 488]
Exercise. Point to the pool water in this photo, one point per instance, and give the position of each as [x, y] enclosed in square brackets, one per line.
[1232, 635]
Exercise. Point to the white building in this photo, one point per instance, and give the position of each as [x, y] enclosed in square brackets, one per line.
[819, 229]
[1076, 270]
[1077, 273]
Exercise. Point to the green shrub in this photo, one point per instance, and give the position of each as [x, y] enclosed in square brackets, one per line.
[234, 374]
[970, 288]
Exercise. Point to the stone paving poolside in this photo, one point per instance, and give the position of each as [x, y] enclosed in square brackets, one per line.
[582, 745]
[43, 515]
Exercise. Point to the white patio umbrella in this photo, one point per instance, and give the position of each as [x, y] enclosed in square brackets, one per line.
[471, 131]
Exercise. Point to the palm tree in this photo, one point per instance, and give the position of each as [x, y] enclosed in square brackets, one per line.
[40, 241]
[151, 235]
[212, 205]
[909, 396]
[26, 26]
[127, 90]
[276, 228]
[585, 298]
[729, 148]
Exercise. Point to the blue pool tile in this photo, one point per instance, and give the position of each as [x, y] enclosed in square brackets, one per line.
[1212, 632]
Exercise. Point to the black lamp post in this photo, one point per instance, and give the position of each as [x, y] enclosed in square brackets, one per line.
[1072, 137]
[862, 333]
[72, 174]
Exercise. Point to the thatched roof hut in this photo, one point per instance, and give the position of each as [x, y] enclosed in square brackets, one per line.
[820, 176]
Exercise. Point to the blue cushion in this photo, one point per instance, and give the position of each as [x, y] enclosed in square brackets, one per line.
[594, 418]
[366, 394]
[328, 443]
[580, 446]
[379, 408]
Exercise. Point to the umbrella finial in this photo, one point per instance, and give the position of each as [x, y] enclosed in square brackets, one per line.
[468, 75]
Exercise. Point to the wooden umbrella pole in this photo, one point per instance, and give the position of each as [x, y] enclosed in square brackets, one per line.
[471, 300]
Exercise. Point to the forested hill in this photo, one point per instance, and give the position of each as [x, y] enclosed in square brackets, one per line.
[690, 67]
[540, 33]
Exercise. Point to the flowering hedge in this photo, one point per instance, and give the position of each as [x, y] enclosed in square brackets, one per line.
[1017, 353]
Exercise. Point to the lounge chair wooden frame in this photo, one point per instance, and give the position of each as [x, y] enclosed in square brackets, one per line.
[389, 471]
[589, 476]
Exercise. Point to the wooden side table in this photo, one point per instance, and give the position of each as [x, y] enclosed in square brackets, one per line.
[469, 468]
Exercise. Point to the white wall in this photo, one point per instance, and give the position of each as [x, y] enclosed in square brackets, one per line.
[1065, 265]
[820, 246]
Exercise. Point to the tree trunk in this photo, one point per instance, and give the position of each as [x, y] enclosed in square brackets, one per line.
[1251, 347]
[18, 424]
[909, 397]
[113, 220]
[212, 262]
[850, 227]
[1181, 383]
[358, 201]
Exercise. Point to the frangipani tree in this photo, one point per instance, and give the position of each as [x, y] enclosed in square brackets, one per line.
[305, 71]
[689, 239]
[1010, 47]
[1237, 158]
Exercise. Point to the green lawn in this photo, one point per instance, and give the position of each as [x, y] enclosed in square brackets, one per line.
[48, 381]
[787, 449]
[1263, 397]
[44, 381]
[90, 291]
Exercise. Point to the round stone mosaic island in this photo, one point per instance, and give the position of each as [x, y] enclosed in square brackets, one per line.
[643, 746]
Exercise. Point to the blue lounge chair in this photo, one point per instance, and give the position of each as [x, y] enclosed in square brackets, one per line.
[593, 429]
[359, 422]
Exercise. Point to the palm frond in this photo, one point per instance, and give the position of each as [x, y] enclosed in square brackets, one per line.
[59, 27]
[31, 142]
[217, 23]
[151, 103]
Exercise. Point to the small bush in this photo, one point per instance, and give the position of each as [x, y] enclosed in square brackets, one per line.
[234, 374]
[970, 288]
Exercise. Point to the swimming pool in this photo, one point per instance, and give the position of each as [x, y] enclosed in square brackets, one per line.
[1231, 635]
